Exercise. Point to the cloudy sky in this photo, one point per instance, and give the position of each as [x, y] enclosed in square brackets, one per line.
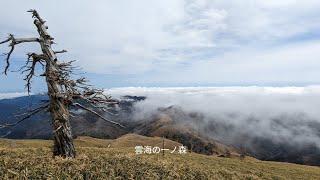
[121, 43]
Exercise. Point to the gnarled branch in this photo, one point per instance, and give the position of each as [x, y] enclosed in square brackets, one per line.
[62, 51]
[14, 41]
[27, 116]
[97, 114]
[36, 15]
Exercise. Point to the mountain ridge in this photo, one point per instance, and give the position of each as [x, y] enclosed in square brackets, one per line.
[169, 122]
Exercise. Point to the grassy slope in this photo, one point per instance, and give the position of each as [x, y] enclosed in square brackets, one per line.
[103, 159]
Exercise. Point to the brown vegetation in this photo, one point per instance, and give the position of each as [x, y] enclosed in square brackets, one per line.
[31, 159]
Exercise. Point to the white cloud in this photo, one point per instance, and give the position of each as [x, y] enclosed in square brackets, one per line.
[281, 114]
[152, 38]
[296, 63]
[11, 95]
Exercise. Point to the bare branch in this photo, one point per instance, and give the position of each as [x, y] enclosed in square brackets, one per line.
[28, 115]
[62, 51]
[14, 42]
[10, 38]
[7, 40]
[33, 58]
[38, 57]
[30, 75]
[24, 40]
[97, 114]
[36, 15]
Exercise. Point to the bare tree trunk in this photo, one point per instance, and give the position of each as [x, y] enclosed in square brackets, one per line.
[63, 141]
[62, 136]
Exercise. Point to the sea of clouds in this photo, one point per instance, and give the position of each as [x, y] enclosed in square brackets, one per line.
[280, 114]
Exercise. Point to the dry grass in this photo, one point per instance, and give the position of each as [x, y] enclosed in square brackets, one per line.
[31, 159]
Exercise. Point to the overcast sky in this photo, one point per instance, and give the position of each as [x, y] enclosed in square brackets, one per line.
[174, 42]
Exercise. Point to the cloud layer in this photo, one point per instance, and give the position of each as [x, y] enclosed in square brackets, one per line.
[281, 114]
[11, 95]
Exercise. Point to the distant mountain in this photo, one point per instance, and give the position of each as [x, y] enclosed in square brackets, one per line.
[39, 126]
[173, 123]
[170, 122]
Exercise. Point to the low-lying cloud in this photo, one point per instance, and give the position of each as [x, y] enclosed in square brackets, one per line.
[11, 95]
[280, 114]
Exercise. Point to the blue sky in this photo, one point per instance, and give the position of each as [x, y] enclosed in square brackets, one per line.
[123, 43]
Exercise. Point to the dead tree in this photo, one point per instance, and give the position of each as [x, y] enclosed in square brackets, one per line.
[63, 91]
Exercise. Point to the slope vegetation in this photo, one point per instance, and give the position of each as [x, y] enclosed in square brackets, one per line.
[110, 159]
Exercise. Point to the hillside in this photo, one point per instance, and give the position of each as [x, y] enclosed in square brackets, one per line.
[165, 124]
[101, 159]
[192, 129]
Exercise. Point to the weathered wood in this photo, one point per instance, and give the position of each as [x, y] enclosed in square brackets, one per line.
[62, 90]
[97, 114]
[63, 141]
